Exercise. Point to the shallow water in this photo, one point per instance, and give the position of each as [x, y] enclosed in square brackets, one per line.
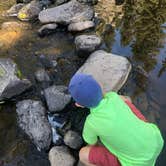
[138, 32]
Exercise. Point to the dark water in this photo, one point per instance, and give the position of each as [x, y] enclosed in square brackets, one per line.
[140, 35]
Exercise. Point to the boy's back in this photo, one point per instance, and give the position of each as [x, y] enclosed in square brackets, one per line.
[133, 141]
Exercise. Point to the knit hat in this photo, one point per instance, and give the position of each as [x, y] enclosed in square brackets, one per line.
[85, 90]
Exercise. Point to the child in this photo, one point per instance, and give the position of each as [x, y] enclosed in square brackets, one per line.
[127, 139]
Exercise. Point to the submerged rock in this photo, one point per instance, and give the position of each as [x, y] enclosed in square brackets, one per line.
[80, 26]
[87, 43]
[47, 29]
[13, 11]
[110, 70]
[73, 139]
[10, 83]
[67, 13]
[60, 156]
[32, 119]
[56, 98]
[30, 11]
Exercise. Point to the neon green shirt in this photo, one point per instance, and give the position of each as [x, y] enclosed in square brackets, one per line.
[133, 141]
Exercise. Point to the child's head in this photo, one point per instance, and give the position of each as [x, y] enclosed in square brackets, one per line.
[85, 90]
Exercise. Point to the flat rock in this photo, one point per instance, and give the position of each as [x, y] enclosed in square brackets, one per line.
[87, 43]
[60, 156]
[10, 84]
[80, 26]
[32, 119]
[13, 11]
[110, 70]
[73, 139]
[56, 98]
[30, 11]
[67, 13]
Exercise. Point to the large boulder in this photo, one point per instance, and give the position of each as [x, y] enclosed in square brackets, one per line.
[110, 70]
[60, 156]
[10, 83]
[67, 13]
[32, 119]
[30, 11]
[56, 98]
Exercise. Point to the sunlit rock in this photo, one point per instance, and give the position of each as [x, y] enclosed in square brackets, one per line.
[32, 119]
[110, 70]
[67, 13]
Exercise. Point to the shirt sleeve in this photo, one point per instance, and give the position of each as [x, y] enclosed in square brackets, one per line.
[89, 134]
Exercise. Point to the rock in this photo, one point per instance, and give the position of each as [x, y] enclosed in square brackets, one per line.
[56, 98]
[90, 2]
[42, 76]
[60, 2]
[87, 43]
[110, 70]
[30, 11]
[23, 1]
[80, 26]
[13, 11]
[73, 139]
[47, 29]
[67, 13]
[60, 156]
[10, 84]
[32, 119]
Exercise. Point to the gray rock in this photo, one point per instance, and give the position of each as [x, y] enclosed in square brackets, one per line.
[30, 11]
[73, 139]
[67, 13]
[32, 119]
[60, 156]
[42, 76]
[47, 29]
[13, 11]
[80, 26]
[10, 84]
[56, 98]
[110, 70]
[90, 2]
[60, 2]
[88, 43]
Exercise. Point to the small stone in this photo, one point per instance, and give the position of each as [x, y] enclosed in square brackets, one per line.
[60, 156]
[42, 76]
[80, 26]
[73, 139]
[13, 11]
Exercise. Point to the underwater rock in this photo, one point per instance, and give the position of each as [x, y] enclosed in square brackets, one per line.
[47, 29]
[10, 83]
[32, 119]
[67, 13]
[73, 139]
[89, 2]
[110, 70]
[30, 11]
[60, 156]
[13, 11]
[56, 98]
[80, 26]
[87, 43]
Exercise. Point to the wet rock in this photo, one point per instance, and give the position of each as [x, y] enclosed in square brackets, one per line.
[30, 11]
[87, 43]
[10, 84]
[73, 139]
[32, 119]
[110, 70]
[89, 2]
[47, 29]
[13, 11]
[42, 76]
[80, 26]
[60, 156]
[56, 98]
[67, 13]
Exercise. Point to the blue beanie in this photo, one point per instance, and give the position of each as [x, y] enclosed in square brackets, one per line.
[85, 90]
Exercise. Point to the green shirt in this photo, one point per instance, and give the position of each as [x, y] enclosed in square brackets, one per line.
[133, 141]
